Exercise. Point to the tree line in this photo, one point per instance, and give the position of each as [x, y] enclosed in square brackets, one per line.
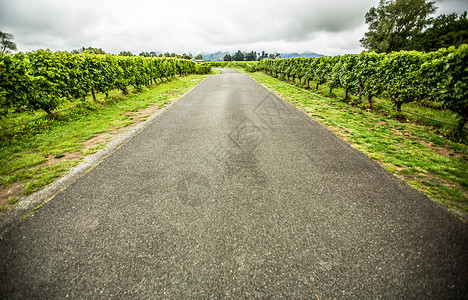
[249, 56]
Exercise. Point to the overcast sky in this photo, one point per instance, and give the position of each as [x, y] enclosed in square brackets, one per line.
[328, 27]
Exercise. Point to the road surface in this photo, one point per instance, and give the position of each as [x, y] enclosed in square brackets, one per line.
[233, 193]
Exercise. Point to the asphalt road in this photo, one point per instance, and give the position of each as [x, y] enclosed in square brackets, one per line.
[232, 193]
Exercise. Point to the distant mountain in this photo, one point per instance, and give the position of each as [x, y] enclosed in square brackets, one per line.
[219, 56]
[303, 54]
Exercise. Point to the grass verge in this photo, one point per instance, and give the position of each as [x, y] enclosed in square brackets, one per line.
[419, 155]
[36, 154]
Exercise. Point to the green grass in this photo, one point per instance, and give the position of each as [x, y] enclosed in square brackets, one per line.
[419, 154]
[25, 153]
[13, 200]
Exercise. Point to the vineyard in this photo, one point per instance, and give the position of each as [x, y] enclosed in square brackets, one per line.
[403, 77]
[41, 80]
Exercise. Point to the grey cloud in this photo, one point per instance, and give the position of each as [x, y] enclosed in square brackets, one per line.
[451, 6]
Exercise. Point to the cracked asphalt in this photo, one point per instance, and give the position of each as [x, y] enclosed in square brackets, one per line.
[233, 193]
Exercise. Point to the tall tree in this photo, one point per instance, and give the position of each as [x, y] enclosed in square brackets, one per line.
[227, 57]
[6, 42]
[394, 23]
[239, 56]
[125, 53]
[445, 31]
[251, 56]
[187, 56]
[91, 50]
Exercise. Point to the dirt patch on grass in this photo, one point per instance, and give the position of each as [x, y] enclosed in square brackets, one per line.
[387, 165]
[138, 115]
[14, 190]
[149, 110]
[101, 138]
[442, 150]
[52, 160]
[382, 123]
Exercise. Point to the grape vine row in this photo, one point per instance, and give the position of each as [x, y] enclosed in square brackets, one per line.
[42, 79]
[405, 76]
